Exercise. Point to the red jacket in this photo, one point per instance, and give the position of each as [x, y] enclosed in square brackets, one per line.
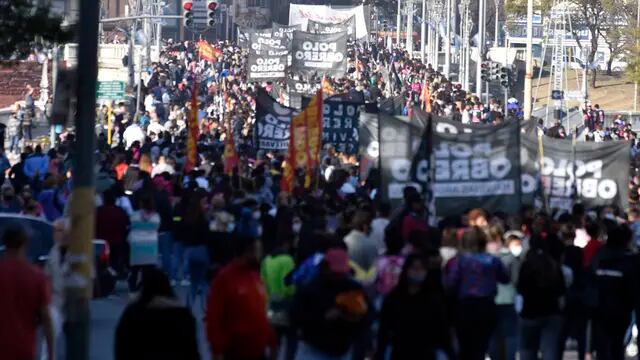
[236, 317]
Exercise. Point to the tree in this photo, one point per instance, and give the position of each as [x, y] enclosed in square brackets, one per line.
[615, 31]
[22, 23]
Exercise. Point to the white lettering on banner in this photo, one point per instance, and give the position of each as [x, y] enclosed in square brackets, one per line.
[273, 128]
[472, 169]
[474, 188]
[557, 178]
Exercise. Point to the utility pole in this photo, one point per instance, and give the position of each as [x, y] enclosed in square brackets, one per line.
[78, 284]
[423, 32]
[635, 85]
[132, 34]
[409, 45]
[481, 30]
[447, 44]
[496, 33]
[399, 23]
[528, 78]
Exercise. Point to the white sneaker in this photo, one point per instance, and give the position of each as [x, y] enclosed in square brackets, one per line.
[185, 282]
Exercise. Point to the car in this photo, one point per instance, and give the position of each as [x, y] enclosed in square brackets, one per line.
[41, 242]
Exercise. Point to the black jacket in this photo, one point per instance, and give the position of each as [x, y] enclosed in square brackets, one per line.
[415, 326]
[162, 329]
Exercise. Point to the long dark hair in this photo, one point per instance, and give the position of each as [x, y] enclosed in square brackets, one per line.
[154, 284]
[539, 262]
[403, 282]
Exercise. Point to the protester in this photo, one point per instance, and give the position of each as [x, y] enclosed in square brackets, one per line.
[541, 285]
[236, 315]
[143, 241]
[156, 325]
[413, 321]
[331, 312]
[26, 300]
[473, 276]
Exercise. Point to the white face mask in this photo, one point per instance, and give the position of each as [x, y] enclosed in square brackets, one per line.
[257, 215]
[516, 250]
[296, 228]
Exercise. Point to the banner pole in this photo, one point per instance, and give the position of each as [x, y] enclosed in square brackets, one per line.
[541, 162]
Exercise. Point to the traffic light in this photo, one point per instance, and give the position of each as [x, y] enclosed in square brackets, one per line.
[212, 6]
[484, 70]
[505, 73]
[494, 71]
[187, 12]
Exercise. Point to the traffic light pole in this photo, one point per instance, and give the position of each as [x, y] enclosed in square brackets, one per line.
[78, 284]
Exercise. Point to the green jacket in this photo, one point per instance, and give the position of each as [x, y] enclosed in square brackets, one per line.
[274, 270]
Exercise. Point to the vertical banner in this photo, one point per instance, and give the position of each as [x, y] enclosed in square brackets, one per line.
[400, 141]
[193, 133]
[476, 166]
[314, 54]
[268, 63]
[304, 144]
[340, 125]
[369, 146]
[272, 123]
[599, 175]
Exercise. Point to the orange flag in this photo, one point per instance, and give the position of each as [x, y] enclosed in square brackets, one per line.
[425, 97]
[207, 51]
[327, 88]
[193, 132]
[305, 140]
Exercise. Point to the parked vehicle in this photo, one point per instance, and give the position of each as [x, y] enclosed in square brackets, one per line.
[41, 242]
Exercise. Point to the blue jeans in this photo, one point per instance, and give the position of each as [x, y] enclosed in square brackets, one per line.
[165, 246]
[504, 341]
[540, 335]
[15, 144]
[178, 263]
[198, 264]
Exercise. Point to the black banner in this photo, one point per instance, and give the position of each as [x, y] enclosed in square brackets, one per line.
[281, 31]
[272, 123]
[319, 54]
[400, 141]
[259, 38]
[267, 64]
[369, 145]
[476, 166]
[302, 87]
[348, 26]
[597, 174]
[340, 125]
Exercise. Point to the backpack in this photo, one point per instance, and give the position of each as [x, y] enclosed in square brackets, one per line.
[389, 269]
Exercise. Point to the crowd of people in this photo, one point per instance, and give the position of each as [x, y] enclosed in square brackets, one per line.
[324, 274]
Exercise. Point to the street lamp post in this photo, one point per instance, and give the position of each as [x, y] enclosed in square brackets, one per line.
[482, 7]
[423, 32]
[528, 78]
[447, 43]
[399, 23]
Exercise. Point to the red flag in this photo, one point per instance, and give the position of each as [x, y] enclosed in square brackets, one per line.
[305, 140]
[230, 157]
[193, 132]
